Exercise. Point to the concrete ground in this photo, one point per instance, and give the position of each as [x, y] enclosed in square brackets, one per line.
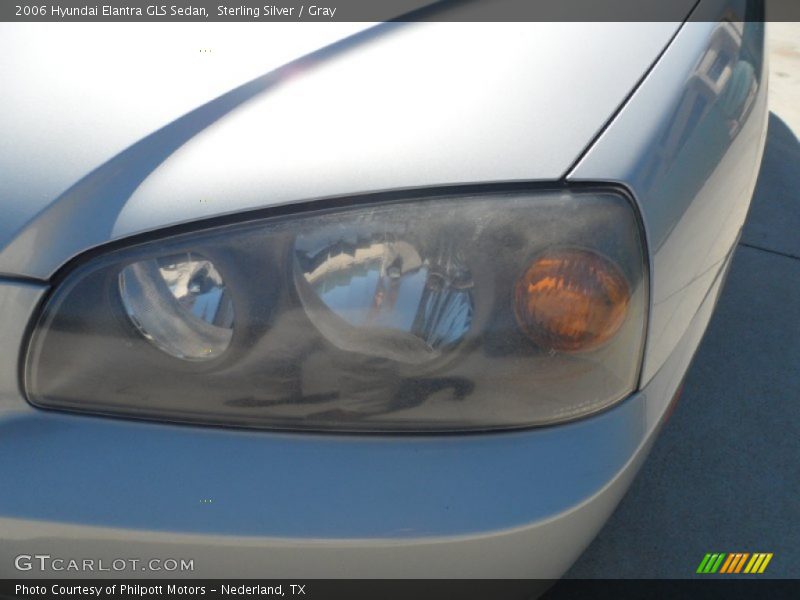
[724, 476]
[784, 71]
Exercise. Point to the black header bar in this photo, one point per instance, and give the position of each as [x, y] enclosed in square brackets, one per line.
[384, 10]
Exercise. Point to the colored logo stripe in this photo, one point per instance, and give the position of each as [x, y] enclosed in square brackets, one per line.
[710, 563]
[735, 562]
[758, 563]
[727, 564]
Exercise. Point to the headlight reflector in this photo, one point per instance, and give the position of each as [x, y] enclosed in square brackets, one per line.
[180, 304]
[407, 305]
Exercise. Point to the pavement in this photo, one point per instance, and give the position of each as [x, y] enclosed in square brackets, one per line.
[724, 475]
[784, 72]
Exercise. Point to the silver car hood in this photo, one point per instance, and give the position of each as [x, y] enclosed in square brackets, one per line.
[116, 130]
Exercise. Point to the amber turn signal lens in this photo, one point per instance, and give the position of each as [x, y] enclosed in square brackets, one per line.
[571, 300]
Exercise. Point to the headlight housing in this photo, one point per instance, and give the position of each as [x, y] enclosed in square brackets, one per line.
[448, 313]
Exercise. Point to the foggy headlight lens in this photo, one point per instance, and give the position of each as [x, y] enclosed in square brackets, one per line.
[376, 293]
[180, 304]
[451, 313]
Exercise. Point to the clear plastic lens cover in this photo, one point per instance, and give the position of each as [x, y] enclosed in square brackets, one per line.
[383, 293]
[180, 303]
[481, 312]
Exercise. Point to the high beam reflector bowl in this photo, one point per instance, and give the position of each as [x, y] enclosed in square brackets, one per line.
[380, 295]
[179, 303]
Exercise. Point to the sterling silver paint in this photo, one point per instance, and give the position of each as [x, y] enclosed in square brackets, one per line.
[72, 107]
[487, 508]
[18, 300]
[363, 115]
[523, 504]
[694, 191]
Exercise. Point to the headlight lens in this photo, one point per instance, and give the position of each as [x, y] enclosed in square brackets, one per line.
[180, 304]
[481, 312]
[376, 293]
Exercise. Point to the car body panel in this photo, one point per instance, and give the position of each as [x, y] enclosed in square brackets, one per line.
[520, 504]
[60, 123]
[689, 148]
[18, 303]
[442, 115]
[490, 505]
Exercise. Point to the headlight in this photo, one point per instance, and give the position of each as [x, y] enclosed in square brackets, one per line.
[481, 312]
[180, 304]
[372, 291]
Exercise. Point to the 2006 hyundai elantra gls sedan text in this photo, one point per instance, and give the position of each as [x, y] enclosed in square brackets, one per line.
[325, 300]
